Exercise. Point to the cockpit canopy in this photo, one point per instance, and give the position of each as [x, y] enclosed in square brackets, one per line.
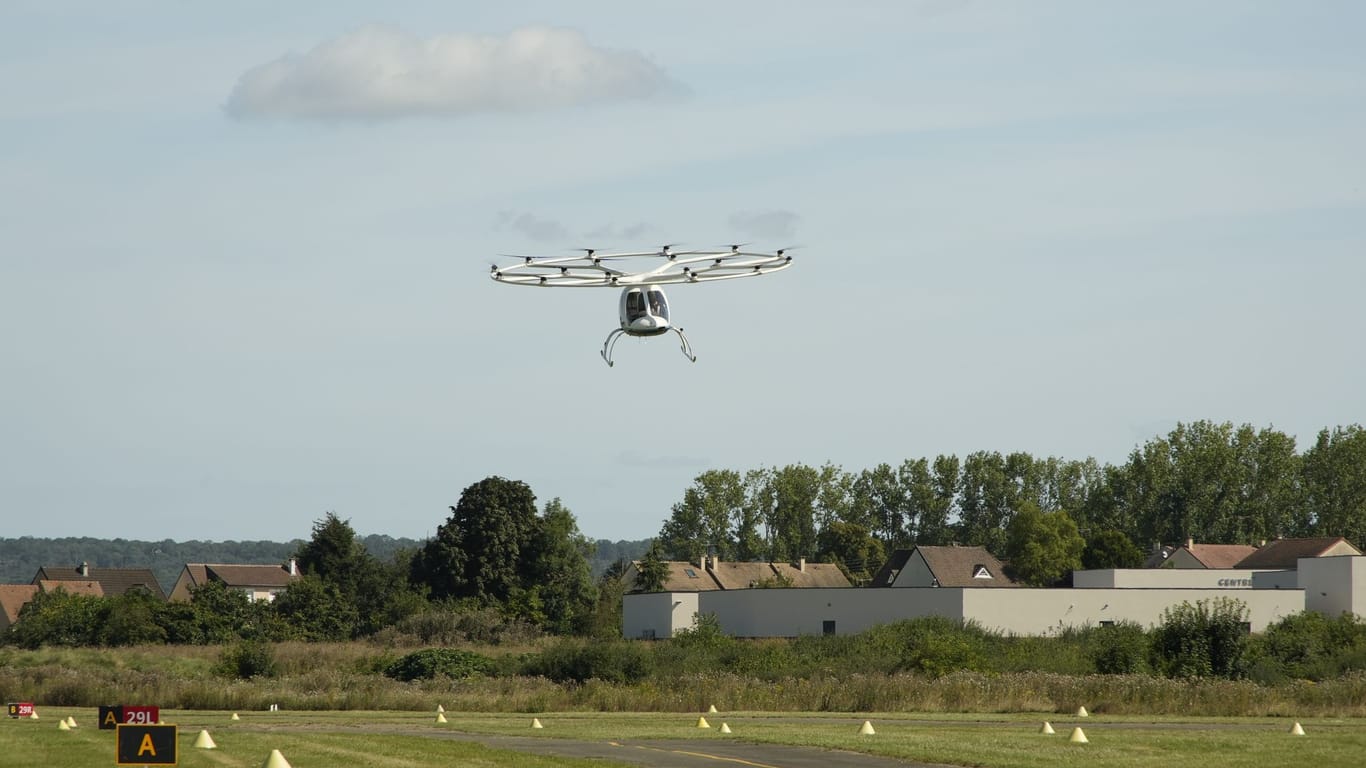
[640, 302]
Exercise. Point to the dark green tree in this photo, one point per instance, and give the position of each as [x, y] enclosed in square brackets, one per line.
[1043, 547]
[652, 572]
[559, 573]
[1334, 472]
[858, 553]
[1111, 549]
[880, 504]
[478, 552]
[703, 521]
[796, 491]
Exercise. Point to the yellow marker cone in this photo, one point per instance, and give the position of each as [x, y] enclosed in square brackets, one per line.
[33, 715]
[1047, 728]
[235, 717]
[276, 760]
[440, 718]
[867, 729]
[440, 710]
[711, 710]
[70, 721]
[1297, 730]
[62, 726]
[204, 741]
[536, 722]
[1078, 737]
[1081, 712]
[725, 728]
[702, 723]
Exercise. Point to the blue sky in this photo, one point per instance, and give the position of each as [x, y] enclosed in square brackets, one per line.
[244, 246]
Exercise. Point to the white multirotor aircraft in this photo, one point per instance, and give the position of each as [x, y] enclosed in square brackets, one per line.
[643, 309]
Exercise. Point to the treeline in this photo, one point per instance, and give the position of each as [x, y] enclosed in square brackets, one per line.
[1215, 483]
[498, 567]
[21, 557]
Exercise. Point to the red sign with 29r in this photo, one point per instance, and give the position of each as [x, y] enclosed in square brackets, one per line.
[21, 709]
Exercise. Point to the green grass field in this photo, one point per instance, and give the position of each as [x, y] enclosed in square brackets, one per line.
[397, 739]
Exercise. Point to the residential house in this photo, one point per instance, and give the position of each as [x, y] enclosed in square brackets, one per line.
[926, 566]
[13, 597]
[1193, 555]
[112, 581]
[258, 582]
[1285, 554]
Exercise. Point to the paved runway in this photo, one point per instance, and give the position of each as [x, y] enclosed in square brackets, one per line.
[684, 754]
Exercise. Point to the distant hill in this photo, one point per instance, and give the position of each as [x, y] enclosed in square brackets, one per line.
[21, 558]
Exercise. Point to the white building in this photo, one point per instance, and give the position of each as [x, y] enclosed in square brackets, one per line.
[1332, 585]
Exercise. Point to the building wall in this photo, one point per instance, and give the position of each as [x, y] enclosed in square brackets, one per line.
[658, 614]
[1334, 585]
[1164, 578]
[1276, 580]
[1048, 611]
[795, 612]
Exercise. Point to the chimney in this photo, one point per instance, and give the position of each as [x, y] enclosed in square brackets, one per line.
[293, 567]
[1190, 543]
[85, 569]
[801, 564]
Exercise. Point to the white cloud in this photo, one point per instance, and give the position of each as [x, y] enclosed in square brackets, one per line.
[765, 223]
[379, 72]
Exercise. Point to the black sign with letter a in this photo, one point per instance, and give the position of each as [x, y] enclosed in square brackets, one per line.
[146, 744]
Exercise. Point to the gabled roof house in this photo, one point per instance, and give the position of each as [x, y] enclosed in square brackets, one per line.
[714, 574]
[1193, 555]
[12, 599]
[927, 566]
[1284, 554]
[259, 582]
[112, 581]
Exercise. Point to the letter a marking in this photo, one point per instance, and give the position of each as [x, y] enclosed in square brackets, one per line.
[147, 745]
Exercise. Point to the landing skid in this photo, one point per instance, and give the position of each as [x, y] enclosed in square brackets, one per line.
[611, 343]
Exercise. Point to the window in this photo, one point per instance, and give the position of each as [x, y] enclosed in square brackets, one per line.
[691, 573]
[659, 307]
[1107, 623]
[635, 305]
[828, 627]
[980, 571]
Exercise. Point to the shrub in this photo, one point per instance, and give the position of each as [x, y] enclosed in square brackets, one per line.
[1121, 649]
[1310, 646]
[613, 662]
[938, 646]
[1206, 639]
[245, 660]
[432, 662]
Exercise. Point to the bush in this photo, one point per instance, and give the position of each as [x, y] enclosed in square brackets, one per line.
[612, 662]
[938, 646]
[432, 662]
[1121, 649]
[245, 660]
[1207, 639]
[1310, 646]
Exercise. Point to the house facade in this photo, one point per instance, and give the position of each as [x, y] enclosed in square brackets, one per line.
[258, 582]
